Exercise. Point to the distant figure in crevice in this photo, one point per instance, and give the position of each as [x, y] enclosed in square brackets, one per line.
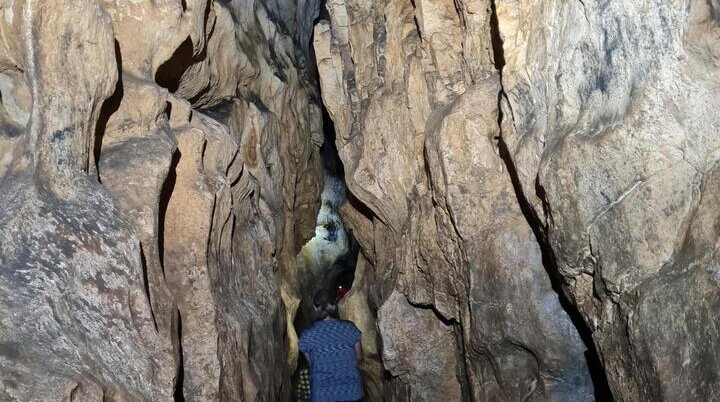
[332, 346]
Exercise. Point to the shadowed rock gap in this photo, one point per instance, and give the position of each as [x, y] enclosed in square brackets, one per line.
[110, 106]
[179, 395]
[328, 259]
[595, 367]
[165, 194]
[146, 284]
[340, 269]
[169, 74]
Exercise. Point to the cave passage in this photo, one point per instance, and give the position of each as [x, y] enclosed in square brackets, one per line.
[327, 261]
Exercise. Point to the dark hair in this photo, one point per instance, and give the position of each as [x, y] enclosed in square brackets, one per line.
[325, 305]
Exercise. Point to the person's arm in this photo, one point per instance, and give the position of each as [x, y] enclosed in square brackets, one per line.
[358, 351]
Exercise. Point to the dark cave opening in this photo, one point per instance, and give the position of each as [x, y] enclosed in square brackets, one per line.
[334, 245]
[179, 394]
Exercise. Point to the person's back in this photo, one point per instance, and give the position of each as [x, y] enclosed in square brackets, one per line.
[331, 346]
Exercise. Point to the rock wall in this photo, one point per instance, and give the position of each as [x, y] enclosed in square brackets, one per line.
[531, 179]
[624, 161]
[533, 186]
[159, 169]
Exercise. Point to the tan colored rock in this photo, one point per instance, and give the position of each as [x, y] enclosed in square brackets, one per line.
[144, 241]
[418, 377]
[74, 309]
[136, 156]
[355, 307]
[436, 209]
[612, 121]
[150, 33]
[594, 179]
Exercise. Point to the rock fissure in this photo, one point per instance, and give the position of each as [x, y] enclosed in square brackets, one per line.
[601, 388]
[179, 393]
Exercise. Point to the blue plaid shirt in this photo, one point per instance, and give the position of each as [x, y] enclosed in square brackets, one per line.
[334, 375]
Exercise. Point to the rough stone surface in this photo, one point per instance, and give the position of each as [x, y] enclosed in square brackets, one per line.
[159, 166]
[613, 130]
[534, 172]
[356, 308]
[533, 185]
[414, 97]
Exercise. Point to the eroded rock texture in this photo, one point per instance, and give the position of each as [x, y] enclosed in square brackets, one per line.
[509, 158]
[624, 159]
[534, 186]
[159, 168]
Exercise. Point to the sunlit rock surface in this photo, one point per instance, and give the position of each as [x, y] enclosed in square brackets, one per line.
[159, 166]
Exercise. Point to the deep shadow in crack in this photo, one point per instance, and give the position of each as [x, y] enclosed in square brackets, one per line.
[179, 395]
[146, 283]
[164, 200]
[110, 106]
[595, 367]
[169, 74]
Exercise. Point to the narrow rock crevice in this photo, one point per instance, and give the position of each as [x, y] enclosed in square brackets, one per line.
[595, 367]
[328, 259]
[164, 201]
[179, 395]
[108, 108]
[146, 285]
[496, 40]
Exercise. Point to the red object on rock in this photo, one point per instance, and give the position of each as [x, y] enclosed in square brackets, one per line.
[341, 291]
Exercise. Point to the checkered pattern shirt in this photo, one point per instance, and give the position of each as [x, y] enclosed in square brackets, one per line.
[302, 389]
[334, 375]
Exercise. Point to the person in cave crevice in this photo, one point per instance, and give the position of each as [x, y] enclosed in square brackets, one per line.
[333, 349]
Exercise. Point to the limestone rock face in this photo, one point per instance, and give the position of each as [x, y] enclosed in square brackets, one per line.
[533, 173]
[623, 158]
[453, 257]
[159, 166]
[534, 187]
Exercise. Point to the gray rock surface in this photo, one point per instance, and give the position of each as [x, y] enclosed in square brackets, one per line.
[622, 158]
[159, 168]
[504, 156]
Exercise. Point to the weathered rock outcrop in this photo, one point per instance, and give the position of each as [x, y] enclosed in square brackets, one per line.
[508, 158]
[159, 170]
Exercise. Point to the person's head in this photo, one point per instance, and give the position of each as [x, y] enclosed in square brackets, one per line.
[324, 305]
